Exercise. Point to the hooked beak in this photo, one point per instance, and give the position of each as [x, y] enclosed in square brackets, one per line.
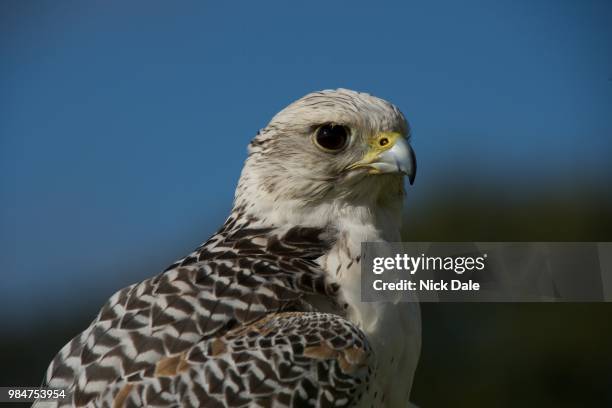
[390, 153]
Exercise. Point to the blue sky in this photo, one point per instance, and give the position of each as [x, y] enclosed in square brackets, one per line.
[124, 125]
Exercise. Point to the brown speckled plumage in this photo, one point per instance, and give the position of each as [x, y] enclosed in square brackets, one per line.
[263, 313]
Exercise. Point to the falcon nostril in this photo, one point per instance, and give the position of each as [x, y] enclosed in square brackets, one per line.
[384, 141]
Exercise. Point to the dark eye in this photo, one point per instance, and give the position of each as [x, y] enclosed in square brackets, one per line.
[331, 137]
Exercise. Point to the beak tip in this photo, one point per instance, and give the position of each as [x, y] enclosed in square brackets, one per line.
[413, 160]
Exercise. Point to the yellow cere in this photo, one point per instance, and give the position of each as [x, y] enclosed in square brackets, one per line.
[379, 143]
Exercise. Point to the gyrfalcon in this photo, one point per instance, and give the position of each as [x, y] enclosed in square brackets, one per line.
[267, 312]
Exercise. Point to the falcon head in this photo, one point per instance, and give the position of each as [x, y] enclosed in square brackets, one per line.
[329, 146]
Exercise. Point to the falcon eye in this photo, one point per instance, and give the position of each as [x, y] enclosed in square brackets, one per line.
[331, 138]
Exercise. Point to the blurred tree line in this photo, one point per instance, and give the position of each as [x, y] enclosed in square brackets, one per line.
[510, 354]
[490, 354]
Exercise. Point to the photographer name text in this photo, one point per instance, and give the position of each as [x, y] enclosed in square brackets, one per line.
[427, 285]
